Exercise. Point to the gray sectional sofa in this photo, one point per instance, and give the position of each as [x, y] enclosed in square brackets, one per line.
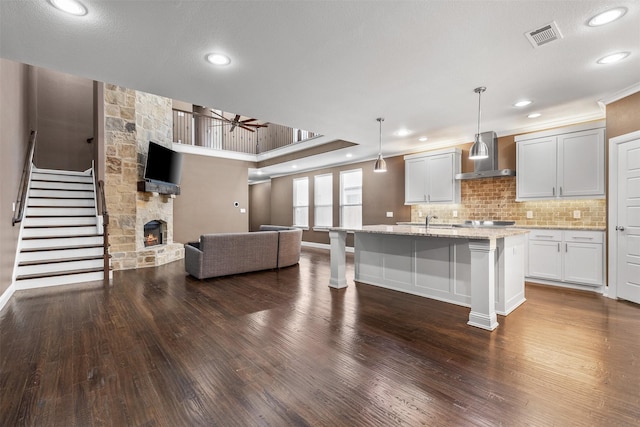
[222, 254]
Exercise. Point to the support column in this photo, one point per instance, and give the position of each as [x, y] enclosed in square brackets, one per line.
[338, 239]
[483, 284]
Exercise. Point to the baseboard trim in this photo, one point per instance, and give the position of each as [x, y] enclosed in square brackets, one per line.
[326, 246]
[6, 296]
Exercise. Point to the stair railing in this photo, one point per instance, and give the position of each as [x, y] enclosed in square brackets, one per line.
[24, 180]
[105, 228]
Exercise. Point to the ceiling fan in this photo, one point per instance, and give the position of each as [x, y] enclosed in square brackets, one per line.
[244, 124]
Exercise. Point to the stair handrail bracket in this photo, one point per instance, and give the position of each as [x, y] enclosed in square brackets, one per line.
[24, 180]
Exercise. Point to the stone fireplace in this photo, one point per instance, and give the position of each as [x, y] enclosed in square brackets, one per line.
[132, 119]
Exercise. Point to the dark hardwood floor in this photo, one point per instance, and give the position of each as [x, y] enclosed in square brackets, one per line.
[281, 348]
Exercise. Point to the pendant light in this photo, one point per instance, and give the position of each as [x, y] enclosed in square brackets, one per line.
[381, 165]
[479, 149]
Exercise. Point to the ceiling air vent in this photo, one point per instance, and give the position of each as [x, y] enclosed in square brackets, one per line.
[543, 35]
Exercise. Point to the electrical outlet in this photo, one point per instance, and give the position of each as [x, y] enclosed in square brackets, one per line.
[455, 214]
[576, 214]
[13, 207]
[529, 214]
[419, 214]
[389, 214]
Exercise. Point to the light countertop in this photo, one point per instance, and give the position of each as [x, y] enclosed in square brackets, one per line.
[526, 227]
[455, 233]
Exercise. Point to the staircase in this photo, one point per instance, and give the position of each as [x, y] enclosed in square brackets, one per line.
[61, 240]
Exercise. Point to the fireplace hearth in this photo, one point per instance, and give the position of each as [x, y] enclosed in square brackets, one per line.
[153, 231]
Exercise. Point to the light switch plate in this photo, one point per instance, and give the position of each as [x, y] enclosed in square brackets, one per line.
[577, 214]
[455, 214]
[529, 214]
[389, 214]
[419, 214]
[243, 210]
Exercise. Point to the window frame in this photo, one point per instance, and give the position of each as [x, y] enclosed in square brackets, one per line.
[317, 205]
[297, 205]
[343, 204]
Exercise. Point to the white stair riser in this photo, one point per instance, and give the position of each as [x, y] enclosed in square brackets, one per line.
[87, 203]
[59, 267]
[60, 254]
[61, 242]
[59, 221]
[59, 231]
[61, 212]
[61, 194]
[59, 280]
[38, 176]
[49, 185]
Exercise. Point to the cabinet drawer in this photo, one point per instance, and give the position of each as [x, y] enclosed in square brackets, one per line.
[584, 236]
[552, 235]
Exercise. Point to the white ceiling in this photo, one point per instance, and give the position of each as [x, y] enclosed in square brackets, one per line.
[333, 67]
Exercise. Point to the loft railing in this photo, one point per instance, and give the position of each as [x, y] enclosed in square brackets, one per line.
[211, 132]
[24, 180]
[102, 208]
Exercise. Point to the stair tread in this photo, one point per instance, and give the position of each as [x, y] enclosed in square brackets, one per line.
[58, 248]
[59, 273]
[61, 226]
[63, 237]
[61, 260]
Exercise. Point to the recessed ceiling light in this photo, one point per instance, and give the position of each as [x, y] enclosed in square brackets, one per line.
[70, 6]
[522, 103]
[534, 115]
[403, 132]
[218, 59]
[423, 139]
[349, 155]
[606, 17]
[614, 57]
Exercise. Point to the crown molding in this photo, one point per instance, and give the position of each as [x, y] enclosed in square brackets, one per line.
[620, 94]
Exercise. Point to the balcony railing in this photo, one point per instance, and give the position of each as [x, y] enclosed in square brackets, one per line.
[214, 133]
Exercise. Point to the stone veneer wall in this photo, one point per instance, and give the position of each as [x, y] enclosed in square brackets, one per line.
[495, 198]
[132, 119]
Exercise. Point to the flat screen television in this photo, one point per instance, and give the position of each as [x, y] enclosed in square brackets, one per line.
[163, 164]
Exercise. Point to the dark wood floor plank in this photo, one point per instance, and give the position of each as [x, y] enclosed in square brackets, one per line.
[274, 348]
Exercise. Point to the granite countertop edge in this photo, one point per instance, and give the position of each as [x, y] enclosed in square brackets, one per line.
[524, 227]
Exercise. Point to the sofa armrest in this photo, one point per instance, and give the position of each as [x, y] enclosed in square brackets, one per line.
[193, 260]
[195, 244]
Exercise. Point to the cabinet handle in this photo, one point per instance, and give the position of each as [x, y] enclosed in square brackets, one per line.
[619, 227]
[561, 191]
[583, 238]
[566, 247]
[428, 197]
[542, 235]
[558, 247]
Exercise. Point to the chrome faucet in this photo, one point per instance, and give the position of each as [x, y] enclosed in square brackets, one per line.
[429, 218]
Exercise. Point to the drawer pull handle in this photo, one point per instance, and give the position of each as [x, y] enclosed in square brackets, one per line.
[543, 235]
[583, 238]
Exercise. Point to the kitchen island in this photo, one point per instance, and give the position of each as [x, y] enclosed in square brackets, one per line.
[481, 268]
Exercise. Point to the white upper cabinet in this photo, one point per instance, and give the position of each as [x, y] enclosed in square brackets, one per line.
[430, 177]
[564, 163]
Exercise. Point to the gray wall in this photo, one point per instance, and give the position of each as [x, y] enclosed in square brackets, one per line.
[259, 205]
[64, 114]
[14, 134]
[209, 188]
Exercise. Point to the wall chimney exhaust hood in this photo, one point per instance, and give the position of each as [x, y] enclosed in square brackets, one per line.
[487, 168]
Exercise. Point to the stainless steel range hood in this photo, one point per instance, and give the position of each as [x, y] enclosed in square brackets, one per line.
[487, 168]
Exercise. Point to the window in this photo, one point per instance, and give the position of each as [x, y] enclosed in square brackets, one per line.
[351, 198]
[301, 202]
[323, 200]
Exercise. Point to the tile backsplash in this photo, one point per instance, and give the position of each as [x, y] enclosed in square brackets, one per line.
[494, 199]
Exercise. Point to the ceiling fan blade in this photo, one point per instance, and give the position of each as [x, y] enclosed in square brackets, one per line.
[247, 128]
[233, 126]
[237, 119]
[248, 120]
[221, 116]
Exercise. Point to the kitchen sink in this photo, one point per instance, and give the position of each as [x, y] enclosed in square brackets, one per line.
[487, 224]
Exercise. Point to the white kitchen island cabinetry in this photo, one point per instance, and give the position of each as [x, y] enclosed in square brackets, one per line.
[565, 163]
[478, 268]
[562, 257]
[430, 177]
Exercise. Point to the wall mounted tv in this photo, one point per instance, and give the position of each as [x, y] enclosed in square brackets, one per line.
[163, 165]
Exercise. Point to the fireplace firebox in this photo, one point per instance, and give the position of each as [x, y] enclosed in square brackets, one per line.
[153, 233]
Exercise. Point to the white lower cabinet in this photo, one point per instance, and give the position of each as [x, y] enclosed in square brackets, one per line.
[570, 256]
